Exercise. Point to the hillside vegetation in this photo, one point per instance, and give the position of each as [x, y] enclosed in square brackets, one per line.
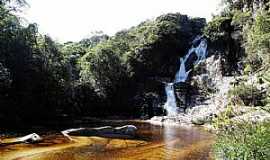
[42, 80]
[244, 26]
[45, 82]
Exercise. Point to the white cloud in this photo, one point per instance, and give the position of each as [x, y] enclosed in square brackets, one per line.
[74, 19]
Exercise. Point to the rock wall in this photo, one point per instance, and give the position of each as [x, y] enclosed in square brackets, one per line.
[203, 97]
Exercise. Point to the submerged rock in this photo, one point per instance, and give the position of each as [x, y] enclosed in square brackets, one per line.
[128, 130]
[107, 131]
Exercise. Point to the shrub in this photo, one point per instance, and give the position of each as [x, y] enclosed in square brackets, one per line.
[257, 41]
[241, 18]
[248, 94]
[244, 141]
[266, 79]
[216, 29]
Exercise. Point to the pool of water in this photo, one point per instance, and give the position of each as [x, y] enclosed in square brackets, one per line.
[150, 143]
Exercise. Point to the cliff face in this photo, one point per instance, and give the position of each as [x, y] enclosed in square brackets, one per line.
[204, 96]
[233, 80]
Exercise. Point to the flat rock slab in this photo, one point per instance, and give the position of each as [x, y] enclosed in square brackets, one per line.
[127, 131]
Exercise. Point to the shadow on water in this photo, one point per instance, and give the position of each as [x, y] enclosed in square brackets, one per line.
[151, 142]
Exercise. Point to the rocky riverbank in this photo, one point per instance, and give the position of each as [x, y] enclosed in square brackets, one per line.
[219, 101]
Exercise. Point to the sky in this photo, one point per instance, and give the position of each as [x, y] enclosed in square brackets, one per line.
[72, 20]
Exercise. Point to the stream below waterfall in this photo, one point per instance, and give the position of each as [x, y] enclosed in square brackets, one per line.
[151, 142]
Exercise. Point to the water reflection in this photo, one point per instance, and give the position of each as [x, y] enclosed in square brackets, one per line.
[151, 142]
[169, 139]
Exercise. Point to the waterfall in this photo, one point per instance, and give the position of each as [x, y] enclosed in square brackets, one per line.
[201, 51]
[170, 104]
[199, 48]
[182, 74]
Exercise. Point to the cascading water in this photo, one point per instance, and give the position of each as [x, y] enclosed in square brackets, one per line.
[182, 74]
[201, 51]
[170, 104]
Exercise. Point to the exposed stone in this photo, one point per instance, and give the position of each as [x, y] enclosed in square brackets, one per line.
[198, 121]
[213, 104]
[123, 131]
[31, 138]
[128, 130]
[253, 116]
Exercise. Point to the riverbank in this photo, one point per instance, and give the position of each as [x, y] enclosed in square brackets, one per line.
[221, 104]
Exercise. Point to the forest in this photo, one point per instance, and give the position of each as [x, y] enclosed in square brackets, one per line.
[43, 81]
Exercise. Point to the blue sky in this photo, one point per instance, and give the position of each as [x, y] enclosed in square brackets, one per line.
[72, 20]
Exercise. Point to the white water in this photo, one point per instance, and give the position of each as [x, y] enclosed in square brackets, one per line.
[170, 104]
[201, 53]
[182, 74]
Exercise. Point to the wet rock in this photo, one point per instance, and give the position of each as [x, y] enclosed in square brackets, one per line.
[158, 118]
[180, 119]
[128, 130]
[31, 138]
[123, 131]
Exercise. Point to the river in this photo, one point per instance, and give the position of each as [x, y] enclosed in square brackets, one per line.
[150, 143]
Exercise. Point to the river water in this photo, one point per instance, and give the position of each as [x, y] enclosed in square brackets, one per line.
[150, 143]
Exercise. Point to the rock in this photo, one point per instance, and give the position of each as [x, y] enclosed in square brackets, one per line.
[240, 110]
[31, 138]
[197, 40]
[88, 131]
[128, 130]
[253, 116]
[198, 120]
[157, 118]
[66, 132]
[124, 131]
[105, 130]
[181, 118]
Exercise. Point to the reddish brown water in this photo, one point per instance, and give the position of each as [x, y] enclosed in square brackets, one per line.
[151, 143]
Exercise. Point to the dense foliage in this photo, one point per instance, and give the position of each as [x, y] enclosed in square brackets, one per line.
[244, 141]
[42, 80]
[248, 94]
[38, 77]
[247, 23]
[125, 66]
